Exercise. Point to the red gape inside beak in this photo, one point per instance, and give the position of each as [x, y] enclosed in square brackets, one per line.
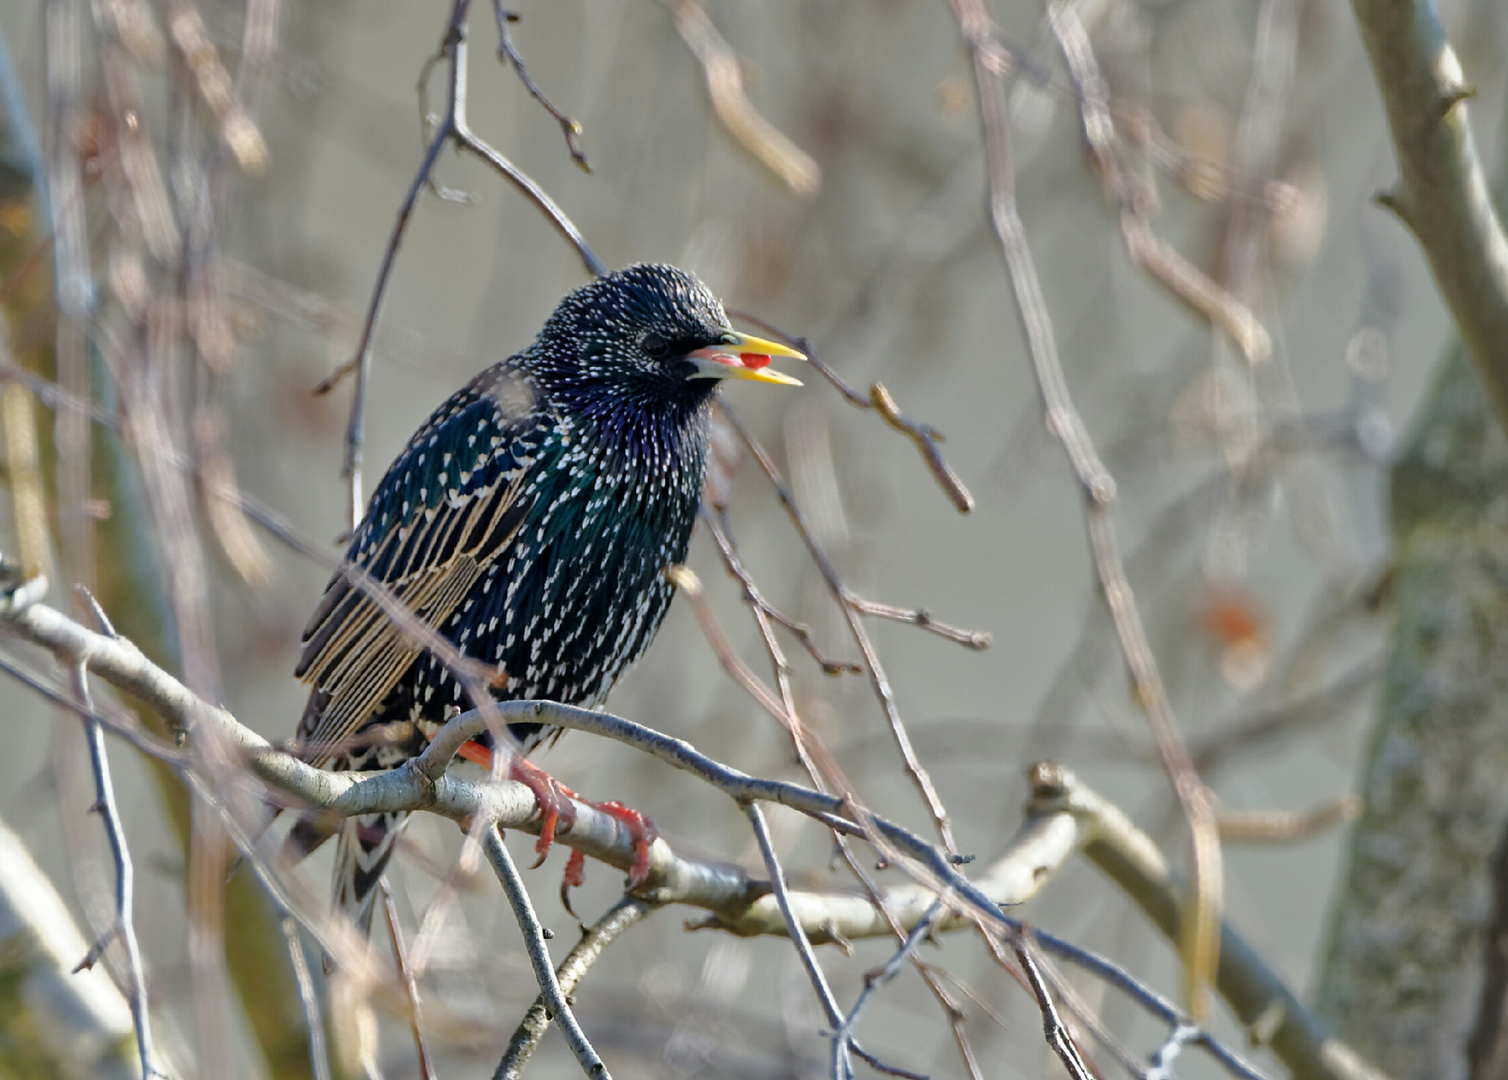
[740, 356]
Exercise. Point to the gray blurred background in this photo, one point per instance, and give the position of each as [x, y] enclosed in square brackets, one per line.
[890, 269]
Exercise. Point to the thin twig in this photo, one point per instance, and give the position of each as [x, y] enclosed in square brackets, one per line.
[840, 592]
[842, 1068]
[927, 439]
[125, 927]
[406, 974]
[1063, 815]
[508, 53]
[539, 955]
[809, 756]
[452, 127]
[875, 979]
[594, 941]
[1087, 1016]
[1053, 1028]
[923, 620]
[319, 1058]
[755, 599]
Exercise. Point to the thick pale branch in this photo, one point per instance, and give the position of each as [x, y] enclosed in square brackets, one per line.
[1271, 1011]
[422, 784]
[1063, 818]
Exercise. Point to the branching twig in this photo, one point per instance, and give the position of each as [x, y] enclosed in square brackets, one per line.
[875, 979]
[1052, 1024]
[508, 52]
[764, 609]
[125, 924]
[594, 942]
[452, 128]
[844, 598]
[1064, 817]
[539, 955]
[1442, 193]
[927, 439]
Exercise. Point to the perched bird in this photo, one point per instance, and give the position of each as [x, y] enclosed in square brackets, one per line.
[529, 522]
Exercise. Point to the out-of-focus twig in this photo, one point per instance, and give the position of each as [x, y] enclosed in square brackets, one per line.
[725, 86]
[1265, 724]
[1200, 939]
[1442, 193]
[1147, 250]
[192, 40]
[88, 1031]
[1284, 826]
[22, 465]
[75, 293]
[319, 1058]
[1274, 1015]
[410, 984]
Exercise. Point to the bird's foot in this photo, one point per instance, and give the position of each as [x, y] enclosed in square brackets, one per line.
[643, 833]
[554, 800]
[640, 829]
[575, 875]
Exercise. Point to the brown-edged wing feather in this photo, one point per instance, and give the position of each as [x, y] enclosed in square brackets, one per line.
[356, 646]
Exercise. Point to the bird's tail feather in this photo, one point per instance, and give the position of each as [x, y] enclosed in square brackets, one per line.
[363, 847]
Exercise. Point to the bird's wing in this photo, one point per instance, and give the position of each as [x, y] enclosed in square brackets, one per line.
[431, 531]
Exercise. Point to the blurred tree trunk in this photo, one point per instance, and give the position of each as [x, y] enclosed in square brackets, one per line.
[1416, 967]
[1403, 975]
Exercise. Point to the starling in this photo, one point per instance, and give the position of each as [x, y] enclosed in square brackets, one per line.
[529, 522]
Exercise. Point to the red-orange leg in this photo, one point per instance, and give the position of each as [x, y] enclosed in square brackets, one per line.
[643, 832]
[554, 801]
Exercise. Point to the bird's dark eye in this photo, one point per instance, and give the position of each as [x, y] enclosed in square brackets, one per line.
[655, 347]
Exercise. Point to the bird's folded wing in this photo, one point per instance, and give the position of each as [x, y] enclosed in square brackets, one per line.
[357, 646]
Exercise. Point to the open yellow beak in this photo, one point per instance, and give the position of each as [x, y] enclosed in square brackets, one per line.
[739, 356]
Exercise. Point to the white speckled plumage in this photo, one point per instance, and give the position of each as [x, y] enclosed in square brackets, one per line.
[529, 521]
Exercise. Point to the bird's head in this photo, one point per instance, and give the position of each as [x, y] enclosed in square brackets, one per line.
[650, 335]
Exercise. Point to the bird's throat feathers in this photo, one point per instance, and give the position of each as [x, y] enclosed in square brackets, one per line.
[637, 419]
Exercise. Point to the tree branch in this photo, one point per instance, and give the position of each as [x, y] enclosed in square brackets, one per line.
[1063, 817]
[1442, 193]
